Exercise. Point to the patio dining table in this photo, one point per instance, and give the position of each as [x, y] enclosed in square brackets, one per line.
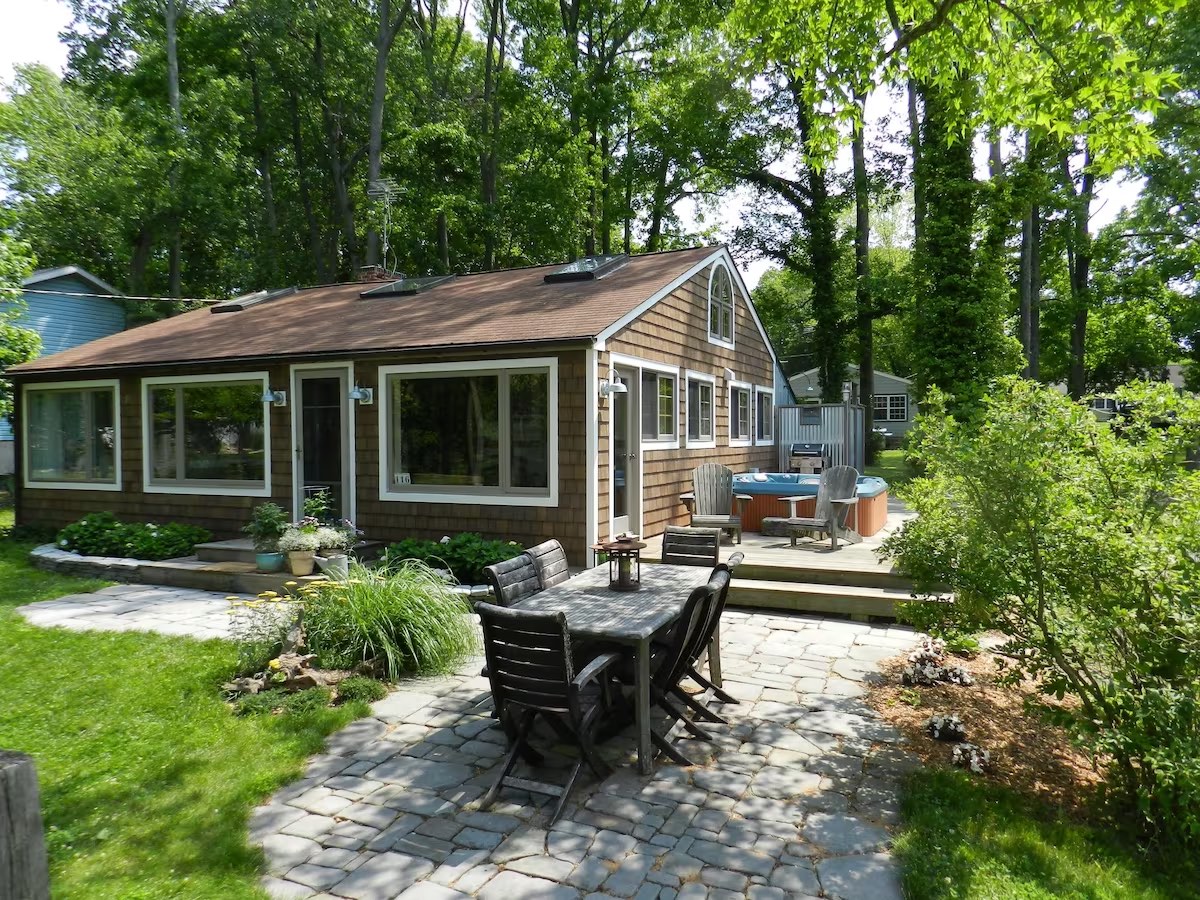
[594, 611]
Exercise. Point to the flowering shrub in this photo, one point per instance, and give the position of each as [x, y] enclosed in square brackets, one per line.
[102, 534]
[295, 539]
[927, 666]
[946, 728]
[969, 756]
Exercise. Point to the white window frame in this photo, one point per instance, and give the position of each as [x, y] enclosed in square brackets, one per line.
[184, 488]
[648, 445]
[887, 403]
[700, 443]
[759, 392]
[481, 366]
[112, 384]
[718, 339]
[748, 389]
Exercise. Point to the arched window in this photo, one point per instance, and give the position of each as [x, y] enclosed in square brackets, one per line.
[720, 305]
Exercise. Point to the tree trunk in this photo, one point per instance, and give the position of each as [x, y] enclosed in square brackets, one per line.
[140, 258]
[864, 306]
[443, 241]
[658, 206]
[605, 205]
[385, 37]
[315, 244]
[175, 258]
[1079, 263]
[490, 121]
[628, 206]
[270, 218]
[337, 167]
[914, 141]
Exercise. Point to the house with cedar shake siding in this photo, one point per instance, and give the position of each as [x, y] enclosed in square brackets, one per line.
[568, 401]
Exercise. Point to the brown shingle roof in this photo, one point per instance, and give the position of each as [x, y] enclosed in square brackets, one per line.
[509, 306]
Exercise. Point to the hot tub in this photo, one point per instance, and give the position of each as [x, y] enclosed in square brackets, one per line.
[767, 490]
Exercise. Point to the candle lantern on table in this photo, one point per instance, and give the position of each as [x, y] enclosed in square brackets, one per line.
[624, 563]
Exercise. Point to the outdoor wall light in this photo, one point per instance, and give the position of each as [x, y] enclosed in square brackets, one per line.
[364, 395]
[612, 384]
[729, 375]
[275, 398]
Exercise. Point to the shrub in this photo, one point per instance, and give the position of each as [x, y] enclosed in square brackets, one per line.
[102, 534]
[465, 554]
[1075, 539]
[277, 700]
[267, 524]
[402, 620]
[359, 687]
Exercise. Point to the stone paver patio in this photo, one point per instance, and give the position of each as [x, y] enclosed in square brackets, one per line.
[139, 607]
[795, 798]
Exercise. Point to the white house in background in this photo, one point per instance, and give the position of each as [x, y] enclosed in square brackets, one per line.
[61, 305]
[895, 406]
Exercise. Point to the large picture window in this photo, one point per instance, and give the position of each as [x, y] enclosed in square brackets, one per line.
[72, 436]
[699, 412]
[207, 434]
[658, 406]
[484, 434]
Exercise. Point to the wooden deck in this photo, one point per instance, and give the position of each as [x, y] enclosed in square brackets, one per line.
[811, 577]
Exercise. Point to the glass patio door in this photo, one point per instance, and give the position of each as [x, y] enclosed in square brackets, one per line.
[322, 438]
[626, 494]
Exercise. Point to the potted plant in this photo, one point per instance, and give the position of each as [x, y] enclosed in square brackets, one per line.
[266, 526]
[334, 541]
[300, 542]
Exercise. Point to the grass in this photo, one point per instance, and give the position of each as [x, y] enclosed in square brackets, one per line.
[964, 838]
[891, 467]
[146, 777]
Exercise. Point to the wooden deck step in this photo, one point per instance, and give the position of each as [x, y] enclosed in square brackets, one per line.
[856, 601]
[222, 577]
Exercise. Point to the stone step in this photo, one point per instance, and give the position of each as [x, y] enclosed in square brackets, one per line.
[855, 601]
[222, 577]
[876, 576]
[241, 550]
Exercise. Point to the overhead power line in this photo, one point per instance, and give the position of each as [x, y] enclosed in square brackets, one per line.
[126, 297]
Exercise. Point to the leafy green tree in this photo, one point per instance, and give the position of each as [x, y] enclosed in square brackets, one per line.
[1075, 540]
[18, 344]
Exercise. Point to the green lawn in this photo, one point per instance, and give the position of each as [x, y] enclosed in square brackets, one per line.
[146, 778]
[966, 839]
[891, 467]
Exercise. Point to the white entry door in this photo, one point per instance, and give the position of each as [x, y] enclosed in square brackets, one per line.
[625, 466]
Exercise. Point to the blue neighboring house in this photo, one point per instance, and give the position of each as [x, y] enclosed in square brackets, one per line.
[60, 306]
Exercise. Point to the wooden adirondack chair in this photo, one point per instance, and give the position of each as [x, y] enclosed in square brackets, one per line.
[836, 494]
[711, 499]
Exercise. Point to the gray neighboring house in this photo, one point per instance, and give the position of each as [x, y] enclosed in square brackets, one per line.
[58, 307]
[895, 407]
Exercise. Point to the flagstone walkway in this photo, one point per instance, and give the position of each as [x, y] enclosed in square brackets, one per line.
[139, 607]
[796, 797]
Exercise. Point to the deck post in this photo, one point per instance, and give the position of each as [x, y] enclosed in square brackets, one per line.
[24, 869]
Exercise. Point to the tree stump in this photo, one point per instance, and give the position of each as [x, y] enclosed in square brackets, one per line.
[24, 870]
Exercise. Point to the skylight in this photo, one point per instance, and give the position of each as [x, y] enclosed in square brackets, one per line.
[587, 268]
[245, 301]
[405, 287]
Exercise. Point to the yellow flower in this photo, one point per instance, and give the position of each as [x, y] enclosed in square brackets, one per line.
[267, 595]
[275, 665]
[290, 583]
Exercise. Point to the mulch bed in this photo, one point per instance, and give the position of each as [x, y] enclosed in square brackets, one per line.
[1028, 754]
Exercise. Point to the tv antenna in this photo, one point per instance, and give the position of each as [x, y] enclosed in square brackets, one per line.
[387, 190]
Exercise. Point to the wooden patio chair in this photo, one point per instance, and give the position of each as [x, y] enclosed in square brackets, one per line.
[836, 494]
[512, 579]
[710, 630]
[712, 499]
[550, 562]
[532, 675]
[691, 546]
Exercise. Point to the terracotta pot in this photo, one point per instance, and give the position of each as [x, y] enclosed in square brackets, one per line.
[302, 562]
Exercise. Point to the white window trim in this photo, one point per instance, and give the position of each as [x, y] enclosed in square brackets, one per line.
[634, 362]
[479, 365]
[704, 443]
[226, 489]
[760, 390]
[717, 339]
[888, 407]
[749, 389]
[115, 485]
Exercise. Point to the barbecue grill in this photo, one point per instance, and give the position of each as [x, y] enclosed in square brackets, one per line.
[808, 459]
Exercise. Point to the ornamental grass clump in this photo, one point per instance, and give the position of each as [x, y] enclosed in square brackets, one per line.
[1076, 540]
[402, 621]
